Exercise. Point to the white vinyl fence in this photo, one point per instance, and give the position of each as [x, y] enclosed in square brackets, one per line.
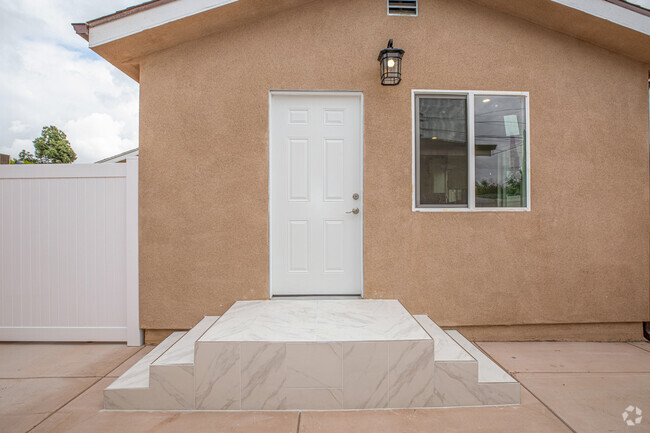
[69, 252]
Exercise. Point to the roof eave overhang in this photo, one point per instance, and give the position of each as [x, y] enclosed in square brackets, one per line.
[600, 22]
[81, 29]
[126, 37]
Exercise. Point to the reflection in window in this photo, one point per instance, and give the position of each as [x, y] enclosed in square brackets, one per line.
[442, 145]
[500, 151]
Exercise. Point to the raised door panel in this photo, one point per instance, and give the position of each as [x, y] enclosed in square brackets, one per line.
[298, 186]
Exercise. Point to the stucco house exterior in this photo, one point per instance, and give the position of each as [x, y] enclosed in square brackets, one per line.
[501, 187]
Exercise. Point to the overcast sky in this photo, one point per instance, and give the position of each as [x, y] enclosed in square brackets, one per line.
[49, 76]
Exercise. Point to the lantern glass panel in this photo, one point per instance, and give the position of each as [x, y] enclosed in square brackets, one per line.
[391, 63]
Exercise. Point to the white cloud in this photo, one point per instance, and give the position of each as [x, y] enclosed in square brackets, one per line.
[49, 76]
[89, 145]
[17, 145]
[17, 126]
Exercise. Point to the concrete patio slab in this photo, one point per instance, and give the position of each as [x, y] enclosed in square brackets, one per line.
[558, 357]
[29, 360]
[85, 414]
[26, 402]
[530, 417]
[593, 402]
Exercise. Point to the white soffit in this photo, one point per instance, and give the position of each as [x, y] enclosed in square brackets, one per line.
[611, 12]
[150, 18]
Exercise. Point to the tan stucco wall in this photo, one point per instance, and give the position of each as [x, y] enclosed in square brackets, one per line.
[580, 255]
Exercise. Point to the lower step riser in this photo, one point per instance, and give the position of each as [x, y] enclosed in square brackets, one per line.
[170, 388]
[347, 375]
[176, 382]
[451, 384]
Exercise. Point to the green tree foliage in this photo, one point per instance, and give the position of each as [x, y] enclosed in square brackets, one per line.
[491, 190]
[487, 189]
[513, 184]
[53, 147]
[24, 157]
[27, 157]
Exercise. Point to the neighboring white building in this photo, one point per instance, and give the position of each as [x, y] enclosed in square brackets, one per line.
[120, 157]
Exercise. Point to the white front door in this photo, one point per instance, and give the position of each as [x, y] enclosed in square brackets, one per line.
[316, 202]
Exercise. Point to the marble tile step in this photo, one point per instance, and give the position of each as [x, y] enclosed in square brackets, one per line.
[164, 379]
[463, 375]
[477, 383]
[131, 389]
[488, 370]
[446, 348]
[172, 374]
[182, 352]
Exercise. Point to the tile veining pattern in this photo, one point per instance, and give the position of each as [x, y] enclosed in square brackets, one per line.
[313, 354]
[329, 354]
[316, 321]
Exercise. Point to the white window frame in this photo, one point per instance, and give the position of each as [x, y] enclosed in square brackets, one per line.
[471, 205]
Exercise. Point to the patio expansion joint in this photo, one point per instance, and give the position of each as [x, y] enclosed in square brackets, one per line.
[298, 426]
[555, 414]
[98, 378]
[641, 348]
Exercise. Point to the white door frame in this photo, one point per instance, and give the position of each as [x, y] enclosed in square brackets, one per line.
[350, 93]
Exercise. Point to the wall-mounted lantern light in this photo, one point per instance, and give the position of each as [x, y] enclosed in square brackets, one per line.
[390, 63]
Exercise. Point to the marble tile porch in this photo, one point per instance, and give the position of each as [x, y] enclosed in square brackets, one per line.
[304, 354]
[313, 355]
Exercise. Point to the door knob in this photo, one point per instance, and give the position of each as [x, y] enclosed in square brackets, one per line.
[354, 211]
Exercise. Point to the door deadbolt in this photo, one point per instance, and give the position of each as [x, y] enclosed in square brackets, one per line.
[355, 196]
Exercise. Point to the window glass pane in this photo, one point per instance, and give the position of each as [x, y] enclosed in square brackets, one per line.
[442, 145]
[500, 152]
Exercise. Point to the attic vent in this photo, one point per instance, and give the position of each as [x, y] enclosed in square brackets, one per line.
[403, 7]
